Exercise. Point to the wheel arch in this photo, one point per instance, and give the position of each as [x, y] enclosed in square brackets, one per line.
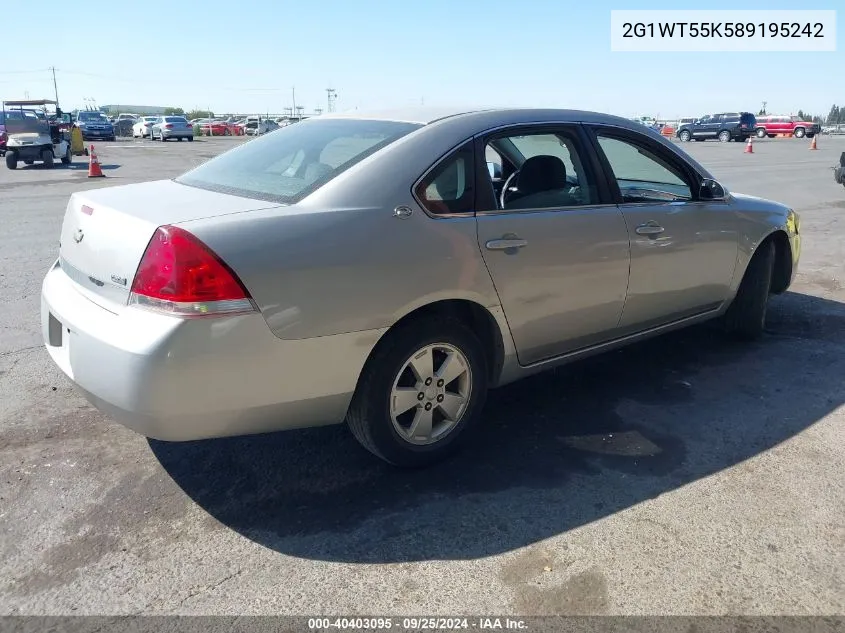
[782, 273]
[783, 266]
[472, 314]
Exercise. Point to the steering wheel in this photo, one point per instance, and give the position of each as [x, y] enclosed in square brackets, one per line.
[507, 184]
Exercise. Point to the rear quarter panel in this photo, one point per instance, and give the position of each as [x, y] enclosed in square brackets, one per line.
[340, 261]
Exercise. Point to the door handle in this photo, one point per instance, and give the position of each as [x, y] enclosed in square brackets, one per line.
[506, 244]
[649, 229]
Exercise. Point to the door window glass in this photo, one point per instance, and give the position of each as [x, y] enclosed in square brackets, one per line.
[547, 173]
[642, 175]
[448, 188]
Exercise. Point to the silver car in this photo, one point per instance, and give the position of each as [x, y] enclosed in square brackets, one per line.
[387, 269]
[168, 127]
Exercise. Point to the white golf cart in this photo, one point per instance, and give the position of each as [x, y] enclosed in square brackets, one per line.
[34, 133]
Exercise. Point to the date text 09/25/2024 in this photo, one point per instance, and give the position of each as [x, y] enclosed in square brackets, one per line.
[417, 624]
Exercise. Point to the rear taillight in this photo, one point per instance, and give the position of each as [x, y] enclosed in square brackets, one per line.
[169, 126]
[180, 275]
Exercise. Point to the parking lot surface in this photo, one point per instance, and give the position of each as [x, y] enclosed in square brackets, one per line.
[685, 475]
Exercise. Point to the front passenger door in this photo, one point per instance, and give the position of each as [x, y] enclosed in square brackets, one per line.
[683, 249]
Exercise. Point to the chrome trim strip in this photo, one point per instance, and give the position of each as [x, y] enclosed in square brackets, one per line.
[481, 214]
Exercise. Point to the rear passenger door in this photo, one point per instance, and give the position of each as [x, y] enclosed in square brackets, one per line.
[555, 244]
[712, 127]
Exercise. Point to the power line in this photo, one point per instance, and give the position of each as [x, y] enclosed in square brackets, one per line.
[24, 72]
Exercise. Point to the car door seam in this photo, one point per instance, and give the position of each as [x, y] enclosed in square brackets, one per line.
[630, 257]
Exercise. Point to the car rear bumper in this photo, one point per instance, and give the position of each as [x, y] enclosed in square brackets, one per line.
[97, 133]
[177, 133]
[188, 379]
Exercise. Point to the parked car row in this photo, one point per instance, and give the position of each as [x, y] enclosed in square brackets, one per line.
[740, 126]
[163, 128]
[254, 125]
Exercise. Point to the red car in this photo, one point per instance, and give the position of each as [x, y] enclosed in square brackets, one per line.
[772, 124]
[219, 128]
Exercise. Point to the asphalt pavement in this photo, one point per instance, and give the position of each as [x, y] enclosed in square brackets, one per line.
[685, 475]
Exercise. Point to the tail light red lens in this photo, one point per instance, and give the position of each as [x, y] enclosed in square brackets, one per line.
[169, 126]
[180, 275]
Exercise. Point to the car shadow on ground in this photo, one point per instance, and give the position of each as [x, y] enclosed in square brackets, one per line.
[557, 451]
[75, 166]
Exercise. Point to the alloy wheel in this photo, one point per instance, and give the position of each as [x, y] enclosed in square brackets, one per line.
[430, 394]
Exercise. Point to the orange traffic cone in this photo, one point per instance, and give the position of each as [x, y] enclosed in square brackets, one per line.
[94, 170]
[813, 143]
[748, 148]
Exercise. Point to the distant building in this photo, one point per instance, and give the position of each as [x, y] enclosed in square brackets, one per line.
[134, 109]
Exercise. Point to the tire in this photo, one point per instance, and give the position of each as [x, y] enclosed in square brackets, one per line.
[47, 157]
[798, 132]
[67, 159]
[180, 139]
[685, 136]
[761, 132]
[746, 316]
[190, 139]
[724, 136]
[11, 160]
[369, 417]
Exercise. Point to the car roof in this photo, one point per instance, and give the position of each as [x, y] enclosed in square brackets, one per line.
[426, 115]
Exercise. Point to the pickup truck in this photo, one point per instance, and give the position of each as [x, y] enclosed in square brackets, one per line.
[771, 125]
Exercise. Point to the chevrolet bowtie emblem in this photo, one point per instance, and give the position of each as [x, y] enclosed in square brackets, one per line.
[77, 237]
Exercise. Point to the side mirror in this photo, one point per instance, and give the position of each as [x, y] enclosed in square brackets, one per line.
[712, 190]
[495, 170]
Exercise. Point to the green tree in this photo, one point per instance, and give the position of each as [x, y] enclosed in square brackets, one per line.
[200, 114]
[174, 111]
[801, 115]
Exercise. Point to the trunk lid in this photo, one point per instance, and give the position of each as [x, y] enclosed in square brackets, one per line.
[106, 231]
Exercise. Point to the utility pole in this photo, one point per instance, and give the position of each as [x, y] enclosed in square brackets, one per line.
[293, 96]
[55, 88]
[764, 107]
[332, 97]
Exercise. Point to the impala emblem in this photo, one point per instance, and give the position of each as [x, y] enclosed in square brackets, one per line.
[77, 237]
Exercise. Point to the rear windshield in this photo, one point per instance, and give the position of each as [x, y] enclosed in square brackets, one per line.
[18, 115]
[92, 116]
[289, 164]
[747, 117]
[175, 119]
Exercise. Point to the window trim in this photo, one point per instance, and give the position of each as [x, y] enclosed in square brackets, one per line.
[583, 146]
[469, 144]
[691, 175]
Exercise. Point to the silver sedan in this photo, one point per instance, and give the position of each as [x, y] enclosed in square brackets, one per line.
[168, 127]
[387, 269]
